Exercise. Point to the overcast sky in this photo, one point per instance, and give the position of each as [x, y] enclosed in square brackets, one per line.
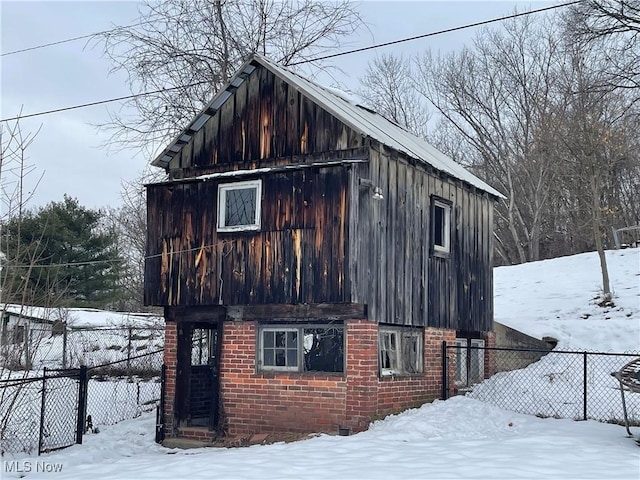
[69, 153]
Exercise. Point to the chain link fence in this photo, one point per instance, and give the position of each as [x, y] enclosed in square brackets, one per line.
[33, 346]
[54, 409]
[123, 389]
[561, 384]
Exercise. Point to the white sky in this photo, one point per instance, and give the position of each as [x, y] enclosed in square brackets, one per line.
[69, 151]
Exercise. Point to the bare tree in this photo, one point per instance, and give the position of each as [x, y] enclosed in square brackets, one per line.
[615, 23]
[498, 95]
[388, 87]
[188, 49]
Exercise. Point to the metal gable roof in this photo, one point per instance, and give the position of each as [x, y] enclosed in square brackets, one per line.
[360, 119]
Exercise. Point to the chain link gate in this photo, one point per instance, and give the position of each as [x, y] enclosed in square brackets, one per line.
[62, 411]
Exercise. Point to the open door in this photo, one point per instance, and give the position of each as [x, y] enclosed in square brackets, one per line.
[198, 382]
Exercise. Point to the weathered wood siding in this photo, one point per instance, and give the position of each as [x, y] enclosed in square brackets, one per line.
[392, 268]
[323, 238]
[265, 121]
[298, 256]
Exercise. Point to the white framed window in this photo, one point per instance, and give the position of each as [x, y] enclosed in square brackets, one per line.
[441, 226]
[400, 350]
[469, 361]
[239, 206]
[279, 349]
[301, 348]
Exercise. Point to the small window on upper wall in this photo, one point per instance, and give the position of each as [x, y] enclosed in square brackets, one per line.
[440, 226]
[239, 206]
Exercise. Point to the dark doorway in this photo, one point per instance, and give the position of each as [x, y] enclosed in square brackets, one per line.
[198, 375]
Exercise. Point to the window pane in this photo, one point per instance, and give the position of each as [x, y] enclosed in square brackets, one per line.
[410, 354]
[292, 339]
[280, 357]
[324, 349]
[240, 206]
[292, 358]
[438, 222]
[269, 339]
[269, 359]
[281, 339]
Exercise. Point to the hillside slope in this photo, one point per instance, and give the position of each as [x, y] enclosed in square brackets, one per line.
[557, 298]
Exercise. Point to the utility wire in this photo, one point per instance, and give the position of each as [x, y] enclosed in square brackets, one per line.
[100, 102]
[119, 260]
[439, 32]
[73, 39]
[348, 52]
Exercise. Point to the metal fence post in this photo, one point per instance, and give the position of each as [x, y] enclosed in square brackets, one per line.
[445, 372]
[42, 409]
[83, 384]
[584, 383]
[129, 350]
[160, 408]
[64, 345]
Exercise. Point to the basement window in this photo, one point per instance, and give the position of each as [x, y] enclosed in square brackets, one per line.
[469, 361]
[401, 351]
[440, 226]
[239, 206]
[309, 348]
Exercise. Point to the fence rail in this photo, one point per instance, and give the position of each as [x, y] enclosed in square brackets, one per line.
[557, 383]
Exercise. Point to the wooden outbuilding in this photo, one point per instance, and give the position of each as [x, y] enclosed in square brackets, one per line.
[311, 257]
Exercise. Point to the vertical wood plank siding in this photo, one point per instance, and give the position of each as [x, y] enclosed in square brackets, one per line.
[394, 272]
[298, 256]
[266, 119]
[323, 238]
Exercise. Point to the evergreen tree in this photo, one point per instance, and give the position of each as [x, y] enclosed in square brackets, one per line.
[61, 253]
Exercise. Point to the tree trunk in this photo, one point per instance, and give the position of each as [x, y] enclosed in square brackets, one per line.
[596, 220]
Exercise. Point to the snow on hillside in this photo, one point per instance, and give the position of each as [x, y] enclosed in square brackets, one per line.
[457, 438]
[557, 298]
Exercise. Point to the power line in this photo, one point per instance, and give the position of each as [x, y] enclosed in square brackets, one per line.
[120, 260]
[73, 39]
[439, 32]
[100, 102]
[348, 52]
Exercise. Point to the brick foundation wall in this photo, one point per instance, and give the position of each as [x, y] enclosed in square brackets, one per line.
[490, 356]
[170, 360]
[273, 402]
[263, 402]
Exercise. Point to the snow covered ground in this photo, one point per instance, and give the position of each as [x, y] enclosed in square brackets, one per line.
[458, 438]
[557, 298]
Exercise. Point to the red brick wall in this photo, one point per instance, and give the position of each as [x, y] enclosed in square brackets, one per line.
[170, 360]
[362, 374]
[490, 356]
[273, 402]
[254, 402]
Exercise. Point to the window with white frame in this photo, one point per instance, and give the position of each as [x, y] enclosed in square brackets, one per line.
[441, 226]
[400, 351]
[469, 361]
[304, 348]
[239, 206]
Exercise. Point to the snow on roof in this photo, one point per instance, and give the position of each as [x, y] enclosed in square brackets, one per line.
[344, 107]
[376, 126]
[84, 317]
